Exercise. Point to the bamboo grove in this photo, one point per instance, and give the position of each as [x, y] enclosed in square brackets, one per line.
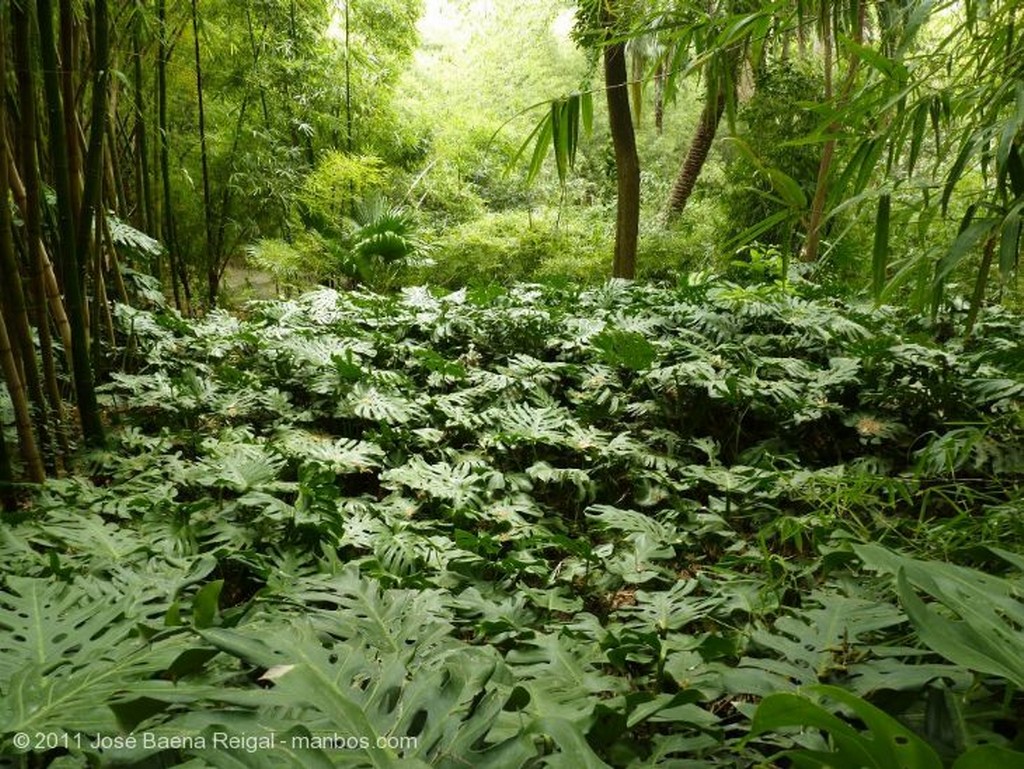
[106, 105]
[56, 259]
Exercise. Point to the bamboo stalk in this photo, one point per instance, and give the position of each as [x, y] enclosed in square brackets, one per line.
[53, 299]
[114, 265]
[22, 419]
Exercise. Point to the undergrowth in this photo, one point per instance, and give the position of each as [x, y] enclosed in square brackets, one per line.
[709, 526]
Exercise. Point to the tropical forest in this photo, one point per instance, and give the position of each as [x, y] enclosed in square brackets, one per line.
[511, 384]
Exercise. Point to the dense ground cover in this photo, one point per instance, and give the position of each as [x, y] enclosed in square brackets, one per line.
[627, 526]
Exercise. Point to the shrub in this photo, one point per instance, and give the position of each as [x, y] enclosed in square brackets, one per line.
[297, 264]
[331, 189]
[776, 114]
[517, 245]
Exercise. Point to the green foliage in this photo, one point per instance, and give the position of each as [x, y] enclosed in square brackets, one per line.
[509, 246]
[559, 130]
[72, 651]
[780, 111]
[889, 743]
[382, 243]
[611, 526]
[289, 263]
[331, 190]
[986, 637]
[278, 97]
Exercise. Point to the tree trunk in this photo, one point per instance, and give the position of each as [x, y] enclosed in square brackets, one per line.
[51, 291]
[697, 155]
[88, 409]
[627, 164]
[141, 140]
[348, 84]
[212, 271]
[68, 42]
[817, 214]
[179, 278]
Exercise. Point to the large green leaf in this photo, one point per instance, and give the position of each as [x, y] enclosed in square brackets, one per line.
[435, 713]
[817, 642]
[67, 653]
[989, 757]
[981, 628]
[886, 744]
[880, 254]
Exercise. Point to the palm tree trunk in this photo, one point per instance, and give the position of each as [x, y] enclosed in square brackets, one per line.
[697, 155]
[627, 163]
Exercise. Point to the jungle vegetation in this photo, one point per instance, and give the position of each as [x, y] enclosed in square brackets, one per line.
[494, 383]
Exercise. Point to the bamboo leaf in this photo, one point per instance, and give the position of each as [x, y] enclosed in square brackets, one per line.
[755, 230]
[875, 147]
[560, 137]
[788, 188]
[917, 135]
[969, 237]
[1007, 139]
[540, 149]
[880, 254]
[977, 641]
[892, 69]
[1015, 165]
[957, 171]
[587, 111]
[526, 143]
[935, 113]
[572, 121]
[838, 189]
[1009, 240]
